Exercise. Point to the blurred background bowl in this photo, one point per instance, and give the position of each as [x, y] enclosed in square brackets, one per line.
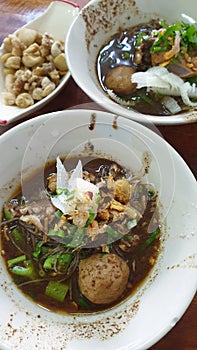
[95, 25]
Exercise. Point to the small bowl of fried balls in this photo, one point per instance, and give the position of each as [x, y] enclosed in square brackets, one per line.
[33, 63]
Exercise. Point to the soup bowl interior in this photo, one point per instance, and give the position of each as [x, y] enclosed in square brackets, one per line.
[97, 23]
[30, 146]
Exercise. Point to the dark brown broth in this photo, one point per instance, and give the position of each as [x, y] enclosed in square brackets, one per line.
[136, 256]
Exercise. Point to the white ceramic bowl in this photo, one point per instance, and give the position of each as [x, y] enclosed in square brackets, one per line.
[160, 302]
[96, 23]
[62, 11]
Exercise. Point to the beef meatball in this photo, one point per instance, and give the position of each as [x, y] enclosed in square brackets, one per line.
[118, 79]
[103, 279]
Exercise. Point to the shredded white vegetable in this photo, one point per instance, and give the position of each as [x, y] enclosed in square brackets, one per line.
[76, 184]
[171, 104]
[159, 79]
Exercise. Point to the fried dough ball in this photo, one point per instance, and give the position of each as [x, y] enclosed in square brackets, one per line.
[118, 79]
[103, 279]
[122, 190]
[24, 100]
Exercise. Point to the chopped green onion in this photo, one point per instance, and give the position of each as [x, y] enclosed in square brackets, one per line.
[150, 240]
[14, 261]
[24, 271]
[175, 61]
[38, 249]
[77, 238]
[69, 194]
[22, 200]
[56, 290]
[62, 261]
[111, 61]
[101, 255]
[151, 193]
[112, 234]
[125, 55]
[131, 224]
[50, 261]
[42, 273]
[163, 24]
[83, 303]
[146, 99]
[17, 234]
[127, 237]
[141, 36]
[187, 32]
[98, 198]
[61, 190]
[192, 34]
[58, 214]
[59, 233]
[192, 80]
[91, 216]
[8, 214]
